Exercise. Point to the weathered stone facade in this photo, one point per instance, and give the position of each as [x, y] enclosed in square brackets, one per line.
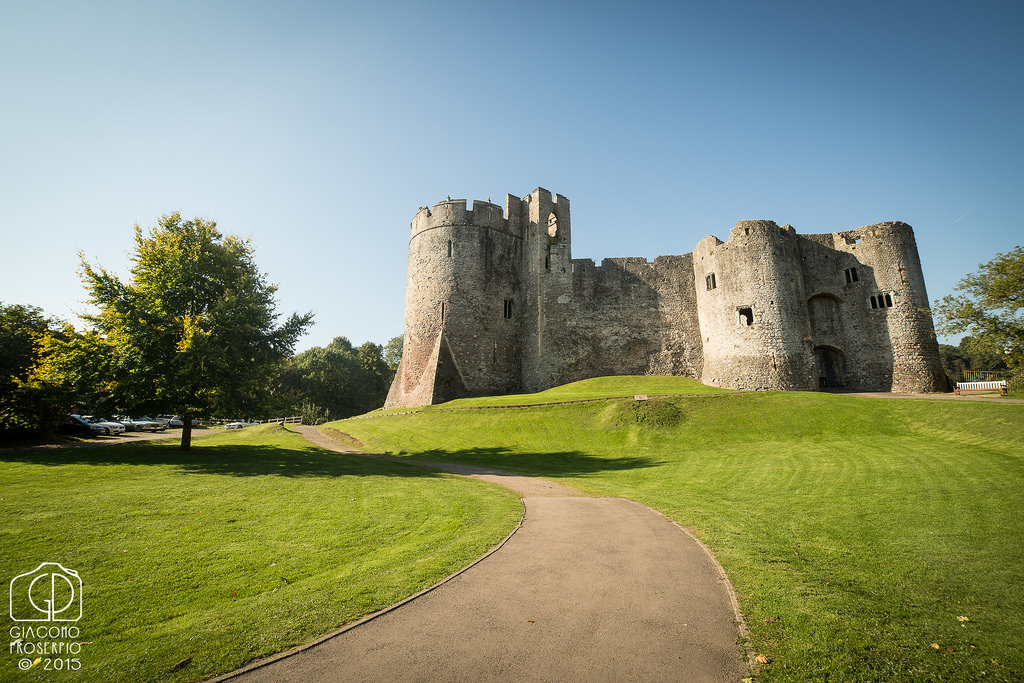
[496, 304]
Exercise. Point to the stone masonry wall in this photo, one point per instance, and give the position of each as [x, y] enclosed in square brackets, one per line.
[496, 304]
[894, 339]
[752, 309]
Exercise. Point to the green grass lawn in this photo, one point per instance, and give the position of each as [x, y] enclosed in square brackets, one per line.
[585, 390]
[867, 539]
[253, 542]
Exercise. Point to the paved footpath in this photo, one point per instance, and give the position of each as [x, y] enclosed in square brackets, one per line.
[588, 589]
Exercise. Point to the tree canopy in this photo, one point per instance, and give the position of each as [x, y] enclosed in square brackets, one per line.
[27, 402]
[194, 329]
[339, 380]
[990, 308]
[393, 352]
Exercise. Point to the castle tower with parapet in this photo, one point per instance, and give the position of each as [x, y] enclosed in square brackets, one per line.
[461, 324]
[495, 304]
[546, 275]
[752, 309]
[869, 310]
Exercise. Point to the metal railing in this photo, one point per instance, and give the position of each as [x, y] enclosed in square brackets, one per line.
[984, 375]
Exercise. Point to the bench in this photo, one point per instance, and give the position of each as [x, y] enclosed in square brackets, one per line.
[980, 386]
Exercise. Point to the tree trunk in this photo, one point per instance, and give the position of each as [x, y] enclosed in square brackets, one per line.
[186, 432]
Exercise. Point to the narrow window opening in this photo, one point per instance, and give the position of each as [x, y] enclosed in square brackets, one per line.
[710, 281]
[449, 248]
[851, 275]
[746, 316]
[874, 303]
[888, 301]
[547, 261]
[508, 309]
[746, 231]
[442, 311]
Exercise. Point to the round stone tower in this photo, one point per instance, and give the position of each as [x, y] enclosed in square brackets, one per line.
[462, 300]
[895, 297]
[752, 310]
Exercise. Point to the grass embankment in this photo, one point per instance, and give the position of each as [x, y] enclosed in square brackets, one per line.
[858, 532]
[623, 386]
[253, 542]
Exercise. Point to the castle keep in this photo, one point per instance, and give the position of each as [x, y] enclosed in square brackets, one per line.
[495, 304]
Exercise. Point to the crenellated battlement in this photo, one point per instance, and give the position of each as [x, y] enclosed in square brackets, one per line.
[455, 212]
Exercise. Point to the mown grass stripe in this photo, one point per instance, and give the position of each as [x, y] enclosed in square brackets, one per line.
[855, 530]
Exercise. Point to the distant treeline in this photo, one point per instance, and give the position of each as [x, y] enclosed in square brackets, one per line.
[49, 370]
[969, 355]
[338, 380]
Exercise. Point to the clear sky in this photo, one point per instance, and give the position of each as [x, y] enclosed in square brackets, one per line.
[319, 128]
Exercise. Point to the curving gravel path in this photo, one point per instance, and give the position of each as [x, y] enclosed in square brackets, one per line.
[587, 589]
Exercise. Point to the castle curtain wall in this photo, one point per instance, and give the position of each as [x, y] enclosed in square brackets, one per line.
[496, 304]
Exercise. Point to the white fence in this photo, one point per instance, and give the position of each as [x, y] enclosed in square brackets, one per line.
[295, 419]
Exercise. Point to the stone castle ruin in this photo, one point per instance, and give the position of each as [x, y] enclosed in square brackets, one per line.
[495, 304]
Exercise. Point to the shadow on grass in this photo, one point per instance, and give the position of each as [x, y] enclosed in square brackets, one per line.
[557, 463]
[253, 460]
[236, 460]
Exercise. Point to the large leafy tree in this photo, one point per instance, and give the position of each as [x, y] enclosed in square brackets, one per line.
[194, 329]
[28, 403]
[990, 308]
[393, 353]
[339, 380]
[377, 375]
[78, 363]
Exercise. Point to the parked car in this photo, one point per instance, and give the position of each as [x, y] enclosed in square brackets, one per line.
[103, 426]
[238, 425]
[129, 424]
[109, 428]
[76, 426]
[148, 424]
[113, 426]
[172, 421]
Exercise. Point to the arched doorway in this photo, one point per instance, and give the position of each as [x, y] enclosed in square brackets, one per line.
[825, 312]
[830, 366]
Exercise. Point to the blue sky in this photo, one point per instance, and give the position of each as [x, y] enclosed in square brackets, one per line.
[319, 128]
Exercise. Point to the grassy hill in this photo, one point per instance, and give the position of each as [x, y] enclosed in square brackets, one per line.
[867, 538]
